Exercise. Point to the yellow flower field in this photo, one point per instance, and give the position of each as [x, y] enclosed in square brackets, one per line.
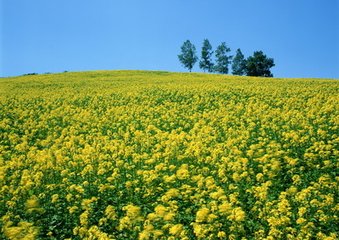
[158, 155]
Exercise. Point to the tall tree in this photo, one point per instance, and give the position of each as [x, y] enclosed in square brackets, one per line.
[206, 57]
[259, 65]
[239, 64]
[222, 58]
[188, 56]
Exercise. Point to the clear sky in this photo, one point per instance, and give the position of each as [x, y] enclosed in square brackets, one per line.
[75, 35]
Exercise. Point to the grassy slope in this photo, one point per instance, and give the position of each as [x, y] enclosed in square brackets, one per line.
[117, 80]
[268, 145]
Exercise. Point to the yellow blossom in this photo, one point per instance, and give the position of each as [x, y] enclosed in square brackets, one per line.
[72, 209]
[132, 211]
[237, 215]
[182, 172]
[24, 231]
[110, 212]
[161, 155]
[176, 229]
[55, 198]
[160, 210]
[202, 215]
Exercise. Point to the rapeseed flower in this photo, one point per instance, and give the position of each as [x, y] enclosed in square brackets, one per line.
[202, 214]
[160, 210]
[110, 212]
[237, 215]
[132, 211]
[182, 172]
[176, 230]
[24, 231]
[149, 155]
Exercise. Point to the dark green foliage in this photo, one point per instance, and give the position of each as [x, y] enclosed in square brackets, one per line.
[30, 74]
[239, 64]
[206, 57]
[222, 58]
[259, 65]
[188, 56]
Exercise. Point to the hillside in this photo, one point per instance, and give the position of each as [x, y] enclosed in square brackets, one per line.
[158, 155]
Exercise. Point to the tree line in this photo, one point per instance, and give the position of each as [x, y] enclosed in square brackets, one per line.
[256, 65]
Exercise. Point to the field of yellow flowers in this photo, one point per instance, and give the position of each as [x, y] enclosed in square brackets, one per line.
[158, 155]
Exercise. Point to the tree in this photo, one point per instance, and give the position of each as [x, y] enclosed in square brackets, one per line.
[259, 65]
[239, 64]
[188, 56]
[222, 59]
[206, 57]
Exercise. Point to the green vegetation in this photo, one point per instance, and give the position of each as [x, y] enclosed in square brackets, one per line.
[258, 65]
[161, 155]
[206, 62]
[188, 56]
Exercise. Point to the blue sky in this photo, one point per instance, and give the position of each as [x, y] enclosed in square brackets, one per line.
[75, 35]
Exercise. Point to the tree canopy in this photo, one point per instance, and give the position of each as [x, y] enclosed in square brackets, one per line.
[239, 63]
[222, 58]
[206, 62]
[188, 56]
[259, 65]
